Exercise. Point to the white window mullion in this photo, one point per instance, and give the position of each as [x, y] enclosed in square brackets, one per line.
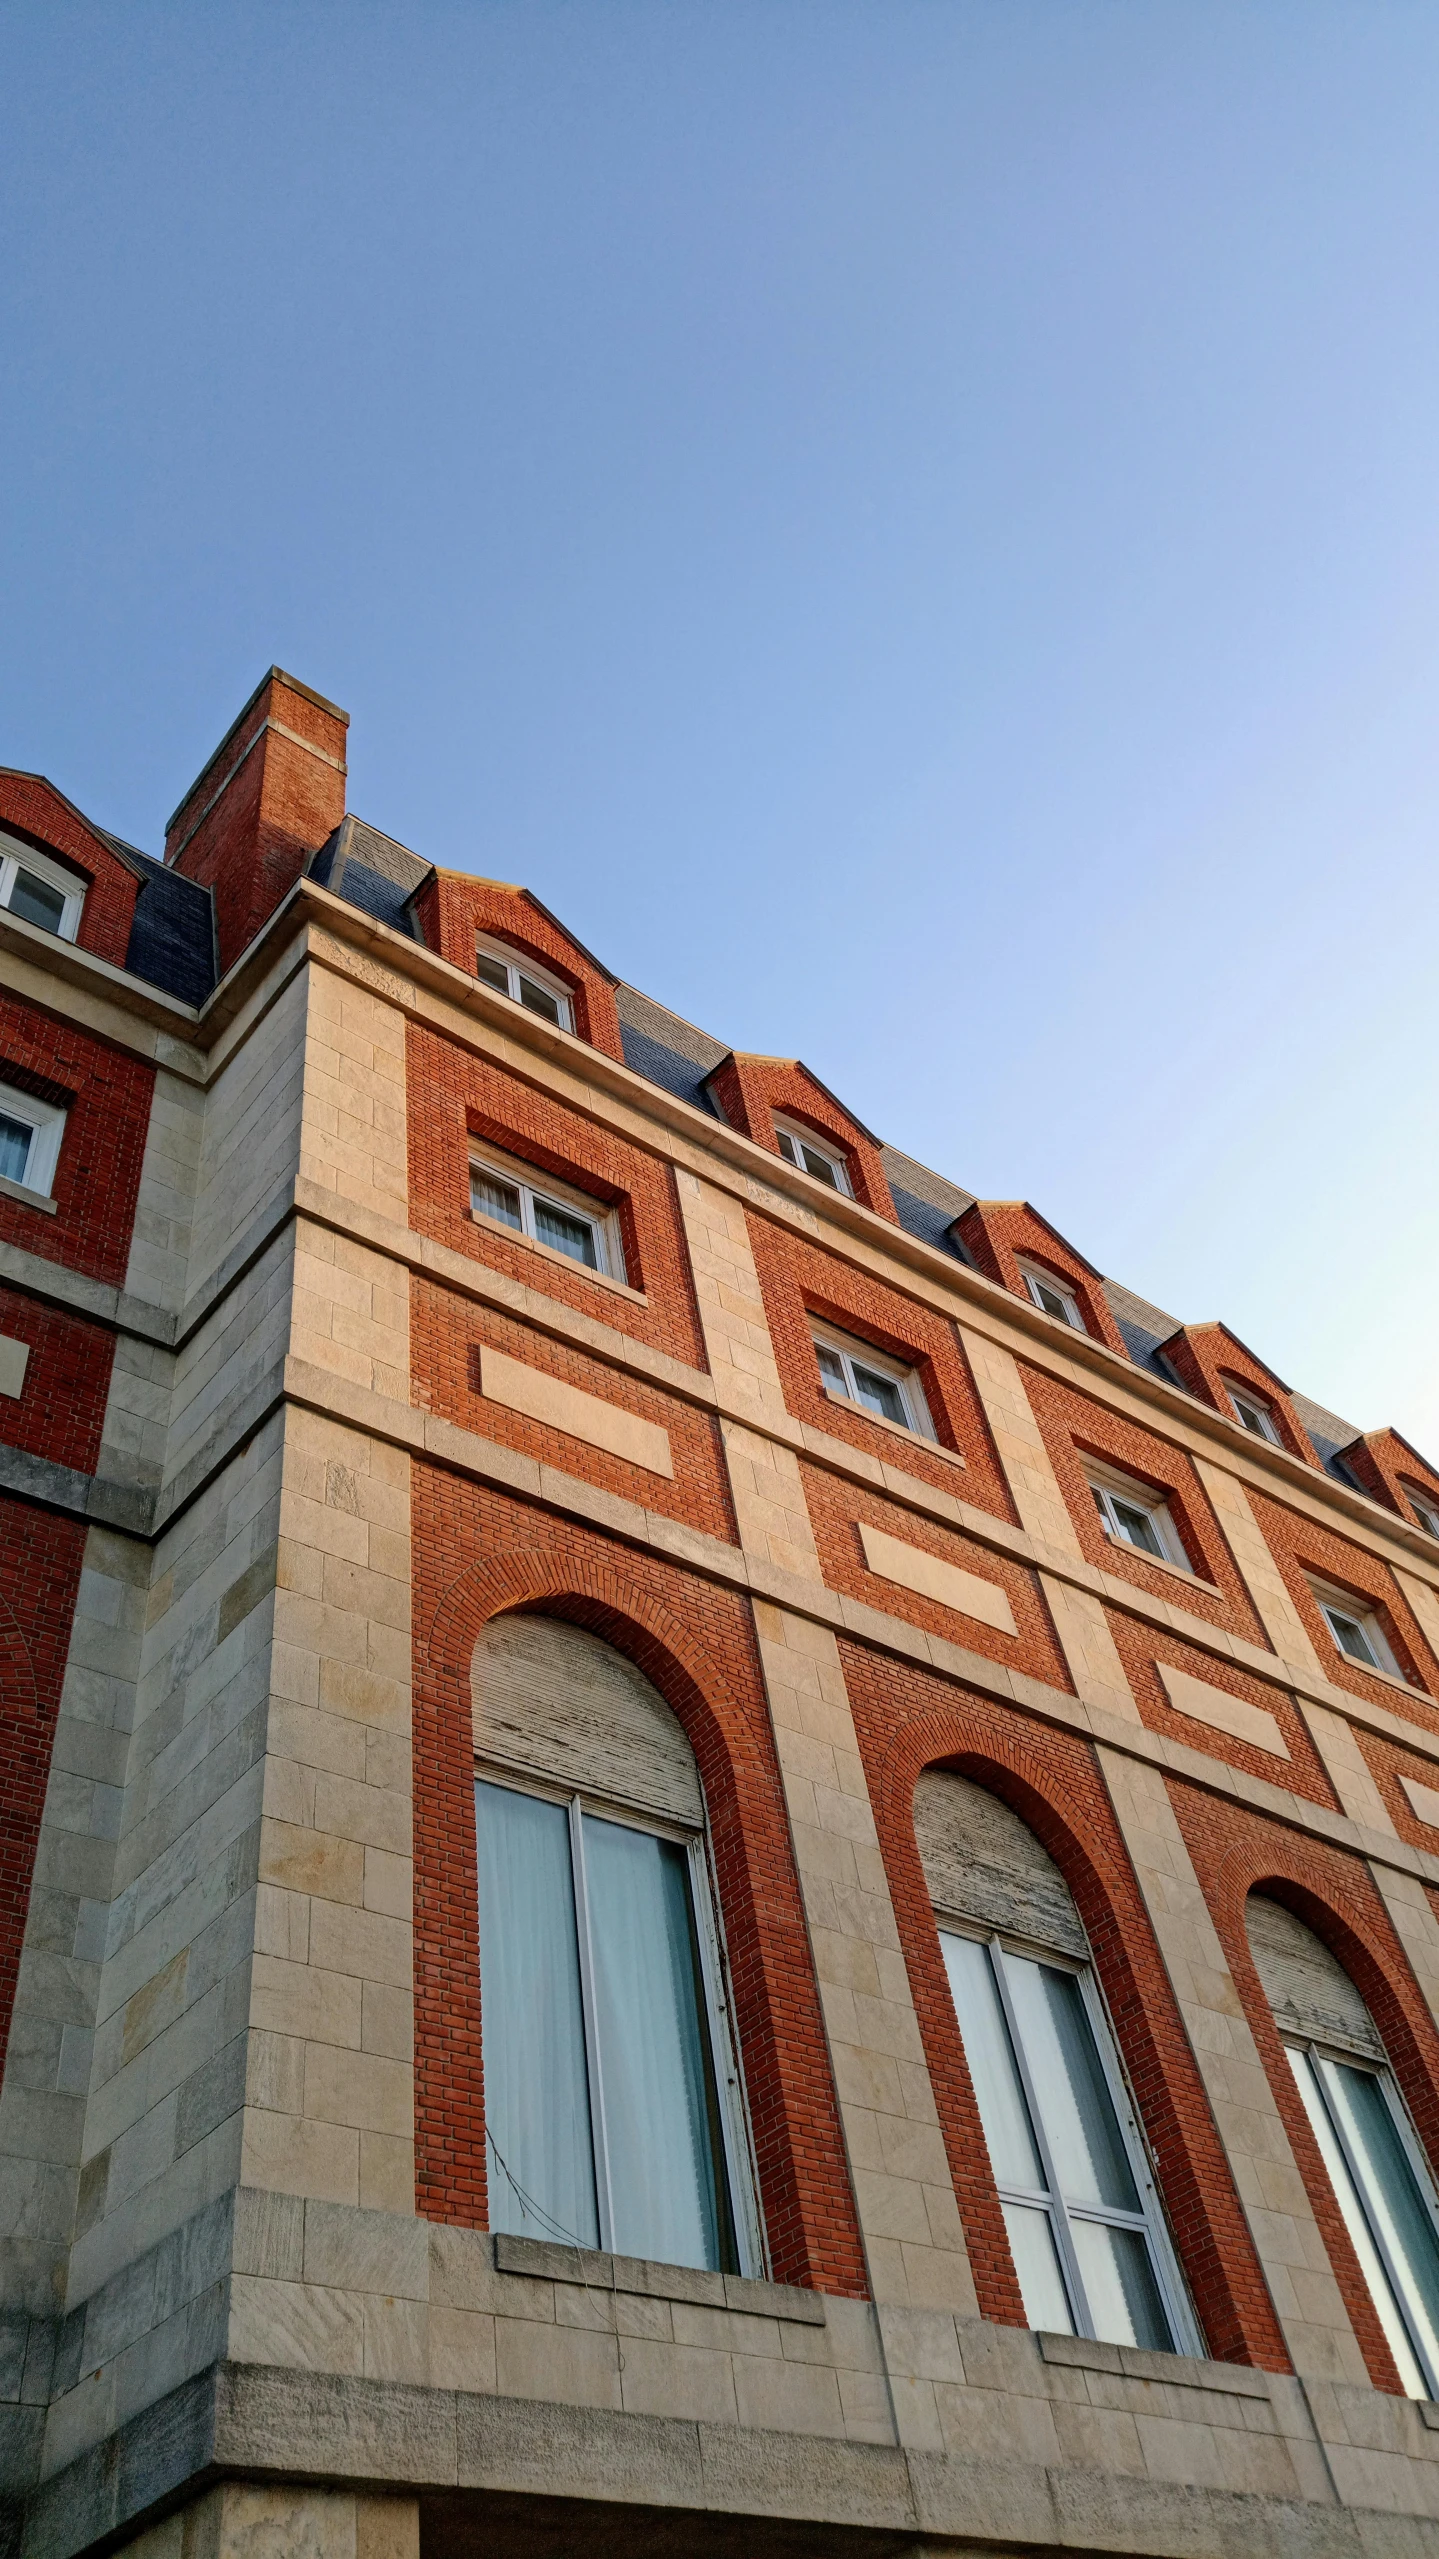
[1058, 2217]
[738, 2160]
[590, 2007]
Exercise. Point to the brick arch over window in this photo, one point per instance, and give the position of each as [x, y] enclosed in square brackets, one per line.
[808, 2212]
[1236, 1855]
[1050, 1780]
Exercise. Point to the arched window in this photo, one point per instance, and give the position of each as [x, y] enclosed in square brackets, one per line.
[1378, 2172]
[1080, 2204]
[612, 2099]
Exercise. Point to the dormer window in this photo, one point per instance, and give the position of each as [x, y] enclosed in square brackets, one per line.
[1424, 1505]
[1051, 1296]
[1252, 1411]
[1356, 1629]
[509, 974]
[802, 1149]
[38, 891]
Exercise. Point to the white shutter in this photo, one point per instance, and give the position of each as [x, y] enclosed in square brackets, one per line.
[559, 1704]
[982, 1862]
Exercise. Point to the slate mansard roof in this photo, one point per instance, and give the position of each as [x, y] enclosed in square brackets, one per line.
[172, 945]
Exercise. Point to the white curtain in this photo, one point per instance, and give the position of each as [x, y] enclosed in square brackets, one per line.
[537, 2110]
[652, 2061]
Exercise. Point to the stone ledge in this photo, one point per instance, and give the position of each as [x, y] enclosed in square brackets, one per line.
[1144, 2363]
[599, 2272]
[490, 2465]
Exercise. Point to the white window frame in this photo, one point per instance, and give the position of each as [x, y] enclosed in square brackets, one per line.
[1037, 1276]
[737, 2162]
[792, 1134]
[1424, 1505]
[1360, 1612]
[1246, 1402]
[519, 969]
[16, 857]
[847, 1350]
[1108, 1487]
[1150, 2219]
[534, 1186]
[1369, 2239]
[46, 1121]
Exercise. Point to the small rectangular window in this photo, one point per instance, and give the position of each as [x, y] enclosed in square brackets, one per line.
[1051, 1296]
[551, 1214]
[1356, 1629]
[1425, 1506]
[30, 1134]
[1079, 2204]
[877, 1384]
[496, 965]
[803, 1150]
[39, 891]
[1138, 1517]
[1255, 1415]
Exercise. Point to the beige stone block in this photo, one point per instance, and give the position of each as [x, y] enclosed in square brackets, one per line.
[387, 2172]
[577, 1415]
[462, 2350]
[308, 2326]
[293, 2155]
[913, 1568]
[1226, 1714]
[300, 2000]
[544, 2361]
[389, 1883]
[366, 1942]
[366, 2090]
[666, 2380]
[307, 1861]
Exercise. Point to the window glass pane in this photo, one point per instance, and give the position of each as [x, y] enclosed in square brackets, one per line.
[1036, 2262]
[1069, 2084]
[879, 1394]
[788, 1148]
[1124, 2299]
[1137, 1526]
[1013, 2154]
[1391, 2191]
[493, 971]
[1361, 2238]
[831, 1367]
[658, 2100]
[496, 1199]
[1351, 1638]
[14, 1147]
[538, 999]
[819, 1166]
[567, 1233]
[1050, 1299]
[537, 2108]
[37, 901]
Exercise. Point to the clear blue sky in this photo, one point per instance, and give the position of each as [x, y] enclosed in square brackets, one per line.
[912, 526]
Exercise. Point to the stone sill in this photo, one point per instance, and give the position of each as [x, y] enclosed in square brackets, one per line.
[1145, 2363]
[896, 1430]
[563, 1261]
[27, 1198]
[553, 2262]
[1163, 1564]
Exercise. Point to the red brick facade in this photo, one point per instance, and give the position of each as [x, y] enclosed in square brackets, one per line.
[477, 1553]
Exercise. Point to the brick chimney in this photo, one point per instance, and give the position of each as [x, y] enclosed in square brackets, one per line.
[270, 795]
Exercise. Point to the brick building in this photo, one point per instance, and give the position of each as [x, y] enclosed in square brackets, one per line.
[702, 1851]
